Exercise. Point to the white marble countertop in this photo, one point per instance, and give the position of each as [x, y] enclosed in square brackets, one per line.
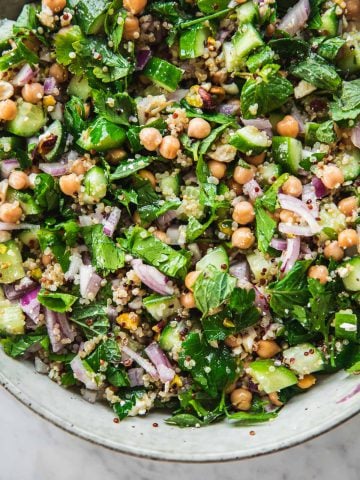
[33, 449]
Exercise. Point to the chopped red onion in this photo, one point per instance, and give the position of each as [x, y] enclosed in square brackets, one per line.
[89, 395]
[40, 366]
[82, 374]
[291, 254]
[112, 221]
[85, 220]
[261, 300]
[161, 362]
[7, 166]
[178, 95]
[59, 330]
[30, 305]
[136, 376]
[164, 220]
[320, 189]
[145, 364]
[278, 244]
[142, 58]
[90, 282]
[25, 74]
[49, 85]
[310, 199]
[296, 114]
[111, 312]
[291, 229]
[262, 124]
[152, 278]
[16, 290]
[174, 235]
[355, 135]
[54, 169]
[240, 270]
[228, 108]
[252, 189]
[297, 206]
[7, 227]
[295, 18]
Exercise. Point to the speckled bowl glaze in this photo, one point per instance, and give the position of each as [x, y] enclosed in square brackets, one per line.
[305, 417]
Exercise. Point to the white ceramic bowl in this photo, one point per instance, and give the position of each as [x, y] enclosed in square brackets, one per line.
[303, 418]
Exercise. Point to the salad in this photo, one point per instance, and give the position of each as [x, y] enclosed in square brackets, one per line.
[179, 200]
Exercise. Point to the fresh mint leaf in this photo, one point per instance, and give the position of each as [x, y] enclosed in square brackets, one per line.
[15, 346]
[105, 255]
[91, 318]
[315, 70]
[265, 228]
[212, 288]
[326, 133]
[184, 420]
[54, 241]
[347, 106]
[128, 401]
[46, 192]
[288, 48]
[328, 48]
[56, 301]
[126, 197]
[251, 418]
[220, 118]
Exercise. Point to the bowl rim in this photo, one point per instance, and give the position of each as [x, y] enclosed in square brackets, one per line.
[56, 420]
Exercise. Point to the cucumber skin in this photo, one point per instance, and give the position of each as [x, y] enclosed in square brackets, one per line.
[8, 145]
[217, 257]
[11, 256]
[57, 129]
[303, 364]
[28, 121]
[287, 152]
[192, 42]
[102, 135]
[352, 279]
[271, 380]
[163, 73]
[90, 15]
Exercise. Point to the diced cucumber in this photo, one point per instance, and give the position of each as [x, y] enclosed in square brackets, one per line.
[215, 257]
[349, 164]
[192, 42]
[310, 132]
[260, 266]
[268, 172]
[349, 56]
[12, 318]
[55, 132]
[28, 121]
[9, 145]
[210, 6]
[304, 359]
[264, 56]
[287, 152]
[11, 262]
[90, 15]
[245, 40]
[26, 201]
[170, 337]
[250, 140]
[161, 307]
[329, 22]
[163, 73]
[170, 185]
[29, 238]
[351, 278]
[346, 325]
[95, 183]
[79, 87]
[331, 218]
[6, 33]
[102, 135]
[319, 132]
[271, 378]
[247, 13]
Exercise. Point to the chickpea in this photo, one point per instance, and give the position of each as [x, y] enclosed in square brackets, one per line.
[267, 348]
[287, 216]
[131, 28]
[348, 238]
[236, 187]
[191, 278]
[169, 147]
[292, 187]
[256, 159]
[306, 382]
[78, 167]
[243, 175]
[115, 155]
[243, 238]
[8, 110]
[352, 10]
[348, 206]
[288, 127]
[217, 169]
[332, 176]
[187, 300]
[10, 212]
[161, 236]
[198, 128]
[243, 213]
[241, 399]
[18, 180]
[135, 6]
[32, 92]
[58, 72]
[46, 260]
[55, 5]
[274, 399]
[147, 175]
[319, 272]
[150, 138]
[233, 341]
[333, 250]
[6, 90]
[70, 184]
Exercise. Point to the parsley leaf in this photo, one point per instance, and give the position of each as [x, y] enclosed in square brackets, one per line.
[105, 255]
[265, 228]
[115, 108]
[16, 346]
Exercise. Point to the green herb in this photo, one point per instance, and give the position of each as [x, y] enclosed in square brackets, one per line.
[250, 418]
[114, 23]
[20, 54]
[328, 48]
[116, 108]
[347, 106]
[91, 318]
[64, 40]
[315, 70]
[128, 401]
[16, 346]
[105, 255]
[46, 192]
[184, 420]
[269, 200]
[219, 118]
[56, 301]
[54, 241]
[326, 133]
[265, 228]
[74, 116]
[129, 167]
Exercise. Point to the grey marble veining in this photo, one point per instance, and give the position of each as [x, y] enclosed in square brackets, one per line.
[33, 449]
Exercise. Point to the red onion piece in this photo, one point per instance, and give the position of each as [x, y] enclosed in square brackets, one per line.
[90, 282]
[142, 58]
[240, 270]
[291, 254]
[49, 85]
[320, 189]
[82, 374]
[228, 108]
[278, 244]
[297, 206]
[164, 220]
[7, 166]
[145, 364]
[161, 362]
[41, 366]
[136, 376]
[59, 330]
[355, 135]
[310, 199]
[85, 220]
[261, 300]
[112, 221]
[291, 229]
[14, 291]
[252, 189]
[262, 124]
[30, 305]
[25, 74]
[295, 18]
[7, 227]
[152, 278]
[296, 114]
[54, 169]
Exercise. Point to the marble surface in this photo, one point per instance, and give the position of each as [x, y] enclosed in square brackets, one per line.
[33, 449]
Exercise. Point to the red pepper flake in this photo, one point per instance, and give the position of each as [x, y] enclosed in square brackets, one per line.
[252, 433]
[155, 425]
[116, 420]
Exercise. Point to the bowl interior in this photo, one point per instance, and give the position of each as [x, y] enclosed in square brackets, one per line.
[304, 417]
